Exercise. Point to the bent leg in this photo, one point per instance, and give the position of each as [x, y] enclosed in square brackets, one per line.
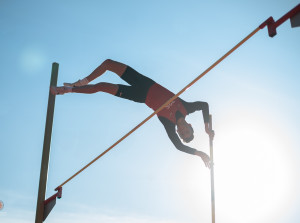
[113, 66]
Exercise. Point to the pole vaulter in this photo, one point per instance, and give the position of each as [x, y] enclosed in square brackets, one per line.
[45, 206]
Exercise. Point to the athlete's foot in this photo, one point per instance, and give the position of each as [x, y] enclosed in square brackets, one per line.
[77, 83]
[60, 90]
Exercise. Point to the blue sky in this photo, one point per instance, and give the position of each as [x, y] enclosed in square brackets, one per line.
[253, 97]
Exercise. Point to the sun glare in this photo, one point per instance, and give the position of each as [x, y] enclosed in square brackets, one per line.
[253, 171]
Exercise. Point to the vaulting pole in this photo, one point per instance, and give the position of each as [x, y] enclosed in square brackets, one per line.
[46, 148]
[212, 181]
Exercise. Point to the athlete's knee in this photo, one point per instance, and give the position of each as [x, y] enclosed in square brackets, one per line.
[114, 66]
[107, 63]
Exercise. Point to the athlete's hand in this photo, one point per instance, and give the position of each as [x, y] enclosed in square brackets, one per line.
[204, 157]
[211, 133]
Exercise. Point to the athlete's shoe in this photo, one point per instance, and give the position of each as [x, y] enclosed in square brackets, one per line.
[60, 90]
[77, 83]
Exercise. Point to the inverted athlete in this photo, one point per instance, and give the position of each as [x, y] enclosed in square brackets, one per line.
[144, 90]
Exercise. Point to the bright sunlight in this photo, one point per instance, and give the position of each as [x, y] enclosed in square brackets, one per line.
[253, 170]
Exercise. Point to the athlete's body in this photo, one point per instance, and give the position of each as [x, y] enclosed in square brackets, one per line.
[144, 90]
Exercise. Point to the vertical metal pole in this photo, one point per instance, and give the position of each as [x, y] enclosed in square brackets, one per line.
[46, 148]
[212, 173]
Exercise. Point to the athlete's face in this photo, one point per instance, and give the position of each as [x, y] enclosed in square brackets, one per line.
[185, 131]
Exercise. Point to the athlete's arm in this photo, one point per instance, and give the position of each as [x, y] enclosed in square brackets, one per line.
[170, 129]
[191, 107]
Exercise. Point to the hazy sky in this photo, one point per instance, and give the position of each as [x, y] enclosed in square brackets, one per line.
[253, 96]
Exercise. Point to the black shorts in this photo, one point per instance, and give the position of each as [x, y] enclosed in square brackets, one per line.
[139, 86]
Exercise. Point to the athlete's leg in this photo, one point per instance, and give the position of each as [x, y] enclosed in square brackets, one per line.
[93, 88]
[87, 89]
[111, 65]
[137, 91]
[123, 91]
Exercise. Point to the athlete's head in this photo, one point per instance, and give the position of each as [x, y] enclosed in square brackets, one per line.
[185, 131]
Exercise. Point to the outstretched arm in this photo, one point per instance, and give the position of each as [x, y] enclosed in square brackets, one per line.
[170, 129]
